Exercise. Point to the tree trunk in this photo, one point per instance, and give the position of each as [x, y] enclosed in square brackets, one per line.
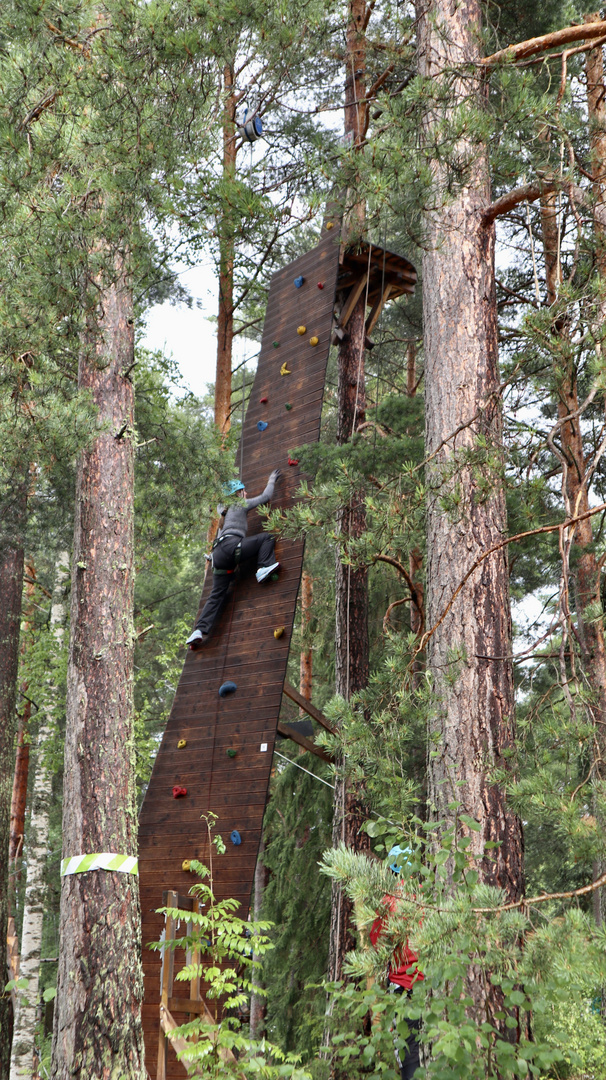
[588, 569]
[306, 663]
[97, 1030]
[11, 585]
[22, 1058]
[258, 1006]
[19, 796]
[469, 650]
[225, 322]
[351, 586]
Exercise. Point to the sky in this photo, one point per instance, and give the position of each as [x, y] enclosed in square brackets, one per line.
[186, 332]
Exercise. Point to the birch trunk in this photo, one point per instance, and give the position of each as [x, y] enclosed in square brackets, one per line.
[22, 1056]
[11, 585]
[97, 1031]
[469, 649]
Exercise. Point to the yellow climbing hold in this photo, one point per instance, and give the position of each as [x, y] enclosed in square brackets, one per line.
[278, 632]
[284, 370]
[186, 864]
[330, 224]
[181, 744]
[301, 330]
[314, 340]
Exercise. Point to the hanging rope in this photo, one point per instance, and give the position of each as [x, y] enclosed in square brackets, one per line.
[297, 766]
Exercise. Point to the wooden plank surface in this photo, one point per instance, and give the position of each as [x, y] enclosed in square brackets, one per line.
[242, 648]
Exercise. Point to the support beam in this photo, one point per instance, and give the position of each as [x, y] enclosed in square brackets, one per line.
[377, 308]
[288, 732]
[352, 300]
[307, 707]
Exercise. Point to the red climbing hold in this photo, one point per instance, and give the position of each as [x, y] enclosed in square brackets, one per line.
[293, 461]
[320, 284]
[263, 400]
[179, 792]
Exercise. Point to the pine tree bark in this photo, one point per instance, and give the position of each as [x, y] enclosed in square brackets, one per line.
[22, 1056]
[11, 585]
[351, 586]
[225, 322]
[258, 1007]
[472, 725]
[97, 1031]
[306, 660]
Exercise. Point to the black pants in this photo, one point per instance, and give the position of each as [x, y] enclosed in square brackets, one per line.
[410, 1060]
[254, 551]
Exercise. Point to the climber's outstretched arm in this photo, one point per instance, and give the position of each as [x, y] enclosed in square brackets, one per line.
[266, 495]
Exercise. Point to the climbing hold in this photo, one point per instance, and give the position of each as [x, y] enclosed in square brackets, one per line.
[181, 744]
[278, 632]
[230, 752]
[186, 864]
[263, 401]
[227, 688]
[330, 224]
[275, 577]
[301, 330]
[276, 344]
[299, 281]
[179, 792]
[235, 838]
[262, 424]
[284, 370]
[288, 406]
[320, 284]
[293, 460]
[314, 340]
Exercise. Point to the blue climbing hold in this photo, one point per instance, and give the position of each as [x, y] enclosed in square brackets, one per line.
[299, 281]
[227, 688]
[236, 838]
[262, 424]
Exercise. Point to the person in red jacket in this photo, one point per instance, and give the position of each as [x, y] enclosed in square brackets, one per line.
[403, 972]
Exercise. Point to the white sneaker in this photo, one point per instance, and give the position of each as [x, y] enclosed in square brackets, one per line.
[196, 640]
[265, 571]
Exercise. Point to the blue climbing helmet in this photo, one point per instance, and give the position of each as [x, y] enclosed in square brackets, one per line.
[395, 862]
[232, 487]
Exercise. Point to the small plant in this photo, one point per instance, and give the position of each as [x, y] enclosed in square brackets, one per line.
[227, 948]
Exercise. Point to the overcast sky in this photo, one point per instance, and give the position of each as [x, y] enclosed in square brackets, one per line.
[186, 332]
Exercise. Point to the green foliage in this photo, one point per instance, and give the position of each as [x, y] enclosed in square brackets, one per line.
[224, 945]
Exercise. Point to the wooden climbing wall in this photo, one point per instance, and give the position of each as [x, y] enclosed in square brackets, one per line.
[243, 648]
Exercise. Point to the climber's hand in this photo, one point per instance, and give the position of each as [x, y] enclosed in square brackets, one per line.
[274, 476]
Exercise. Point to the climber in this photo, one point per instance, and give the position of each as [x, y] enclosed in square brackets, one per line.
[403, 972]
[233, 547]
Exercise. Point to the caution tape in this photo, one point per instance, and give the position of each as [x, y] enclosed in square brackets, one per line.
[105, 860]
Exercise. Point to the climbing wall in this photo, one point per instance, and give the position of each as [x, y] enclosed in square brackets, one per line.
[226, 761]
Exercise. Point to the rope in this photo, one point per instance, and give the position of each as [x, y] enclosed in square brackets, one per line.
[297, 766]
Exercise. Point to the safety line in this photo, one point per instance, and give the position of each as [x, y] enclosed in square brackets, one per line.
[297, 766]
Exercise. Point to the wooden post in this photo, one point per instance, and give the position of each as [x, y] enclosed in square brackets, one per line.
[168, 967]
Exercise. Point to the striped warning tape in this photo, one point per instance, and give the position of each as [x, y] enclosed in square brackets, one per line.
[105, 860]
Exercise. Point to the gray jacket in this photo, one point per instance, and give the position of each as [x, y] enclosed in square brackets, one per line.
[235, 514]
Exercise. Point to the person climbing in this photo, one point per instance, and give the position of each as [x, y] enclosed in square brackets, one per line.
[403, 972]
[233, 547]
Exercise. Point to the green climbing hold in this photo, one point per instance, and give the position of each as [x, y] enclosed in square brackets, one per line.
[230, 753]
[276, 344]
[288, 406]
[275, 577]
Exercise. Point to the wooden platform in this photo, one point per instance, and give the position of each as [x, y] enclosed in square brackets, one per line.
[243, 648]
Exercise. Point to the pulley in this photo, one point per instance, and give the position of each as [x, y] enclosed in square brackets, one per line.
[249, 129]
